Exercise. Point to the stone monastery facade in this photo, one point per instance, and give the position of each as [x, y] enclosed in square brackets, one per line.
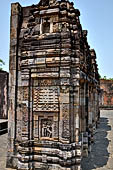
[54, 88]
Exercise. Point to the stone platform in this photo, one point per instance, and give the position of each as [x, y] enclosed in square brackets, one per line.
[3, 126]
[101, 157]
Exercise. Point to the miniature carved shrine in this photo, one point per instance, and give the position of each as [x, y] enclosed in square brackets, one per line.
[54, 88]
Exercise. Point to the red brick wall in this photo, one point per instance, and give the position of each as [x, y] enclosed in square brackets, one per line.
[107, 93]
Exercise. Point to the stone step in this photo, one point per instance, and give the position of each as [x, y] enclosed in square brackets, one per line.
[3, 126]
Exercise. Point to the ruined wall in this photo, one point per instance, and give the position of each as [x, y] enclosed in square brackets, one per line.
[106, 100]
[53, 79]
[3, 95]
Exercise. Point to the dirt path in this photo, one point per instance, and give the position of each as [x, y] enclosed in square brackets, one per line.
[101, 157]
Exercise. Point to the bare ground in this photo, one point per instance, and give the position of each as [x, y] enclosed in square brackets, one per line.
[101, 157]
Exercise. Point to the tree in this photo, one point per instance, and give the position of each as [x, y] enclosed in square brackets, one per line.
[100, 76]
[1, 64]
[105, 78]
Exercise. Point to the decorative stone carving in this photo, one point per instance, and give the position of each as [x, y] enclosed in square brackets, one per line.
[53, 80]
[46, 99]
[46, 128]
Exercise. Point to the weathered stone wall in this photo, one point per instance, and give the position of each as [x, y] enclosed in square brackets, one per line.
[54, 87]
[106, 99]
[3, 95]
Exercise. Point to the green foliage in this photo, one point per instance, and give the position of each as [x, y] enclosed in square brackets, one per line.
[1, 63]
[110, 78]
[105, 78]
[100, 76]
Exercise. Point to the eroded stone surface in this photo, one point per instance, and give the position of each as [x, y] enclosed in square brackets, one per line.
[54, 88]
[3, 94]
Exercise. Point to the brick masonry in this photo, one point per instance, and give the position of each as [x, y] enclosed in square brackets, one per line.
[54, 88]
[106, 100]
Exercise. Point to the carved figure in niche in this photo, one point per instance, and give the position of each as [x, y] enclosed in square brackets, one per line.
[46, 128]
[44, 2]
[46, 27]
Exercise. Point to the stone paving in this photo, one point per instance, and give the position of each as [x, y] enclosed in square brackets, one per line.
[3, 152]
[101, 157]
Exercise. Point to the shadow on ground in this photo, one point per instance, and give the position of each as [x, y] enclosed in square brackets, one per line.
[99, 154]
